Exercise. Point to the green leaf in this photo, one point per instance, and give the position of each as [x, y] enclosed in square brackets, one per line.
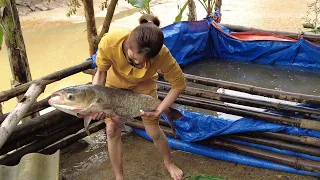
[204, 5]
[179, 16]
[143, 4]
[1, 37]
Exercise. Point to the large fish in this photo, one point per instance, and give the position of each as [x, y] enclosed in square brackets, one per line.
[85, 100]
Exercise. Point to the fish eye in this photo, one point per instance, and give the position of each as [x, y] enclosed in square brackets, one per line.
[70, 96]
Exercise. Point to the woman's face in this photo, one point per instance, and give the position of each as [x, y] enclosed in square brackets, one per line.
[135, 59]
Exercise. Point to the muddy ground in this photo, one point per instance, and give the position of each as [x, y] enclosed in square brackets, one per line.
[88, 159]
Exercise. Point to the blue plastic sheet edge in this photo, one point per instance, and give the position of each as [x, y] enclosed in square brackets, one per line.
[226, 155]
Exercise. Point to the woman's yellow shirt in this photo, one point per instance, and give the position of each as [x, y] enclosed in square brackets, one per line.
[110, 56]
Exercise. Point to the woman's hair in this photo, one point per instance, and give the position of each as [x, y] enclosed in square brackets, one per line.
[147, 38]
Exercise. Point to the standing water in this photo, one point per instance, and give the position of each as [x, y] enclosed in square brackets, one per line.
[267, 76]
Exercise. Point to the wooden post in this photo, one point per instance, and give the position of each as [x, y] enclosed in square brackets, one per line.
[209, 8]
[91, 26]
[217, 5]
[15, 44]
[192, 16]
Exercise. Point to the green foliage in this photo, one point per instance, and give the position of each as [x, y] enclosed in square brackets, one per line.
[141, 4]
[72, 7]
[179, 16]
[204, 4]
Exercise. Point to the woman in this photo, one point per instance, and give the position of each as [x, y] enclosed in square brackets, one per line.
[130, 60]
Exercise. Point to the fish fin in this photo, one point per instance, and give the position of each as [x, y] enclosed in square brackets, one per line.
[87, 120]
[173, 114]
[119, 123]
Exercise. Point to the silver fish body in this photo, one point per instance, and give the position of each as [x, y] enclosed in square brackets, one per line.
[86, 100]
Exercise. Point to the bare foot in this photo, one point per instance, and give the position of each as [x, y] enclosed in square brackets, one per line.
[119, 178]
[175, 172]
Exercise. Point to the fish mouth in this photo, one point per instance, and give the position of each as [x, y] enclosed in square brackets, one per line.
[55, 98]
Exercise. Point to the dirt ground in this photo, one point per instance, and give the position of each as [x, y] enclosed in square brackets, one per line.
[88, 159]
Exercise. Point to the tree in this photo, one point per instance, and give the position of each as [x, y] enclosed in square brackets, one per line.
[11, 29]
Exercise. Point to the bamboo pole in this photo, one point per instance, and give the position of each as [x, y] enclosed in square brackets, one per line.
[13, 158]
[6, 95]
[94, 127]
[309, 112]
[38, 135]
[19, 111]
[285, 138]
[289, 96]
[36, 107]
[290, 138]
[269, 117]
[277, 144]
[292, 161]
[44, 121]
[311, 37]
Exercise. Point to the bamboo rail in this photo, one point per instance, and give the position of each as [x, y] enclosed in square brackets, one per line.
[292, 161]
[289, 96]
[6, 95]
[314, 113]
[19, 111]
[287, 137]
[269, 117]
[277, 144]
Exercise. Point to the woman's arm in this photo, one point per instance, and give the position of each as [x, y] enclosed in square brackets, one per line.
[173, 73]
[100, 77]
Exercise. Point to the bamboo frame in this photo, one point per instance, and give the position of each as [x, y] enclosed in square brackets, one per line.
[269, 117]
[6, 95]
[289, 96]
[19, 111]
[309, 112]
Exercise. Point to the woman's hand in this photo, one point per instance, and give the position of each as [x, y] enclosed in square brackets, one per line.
[152, 114]
[99, 116]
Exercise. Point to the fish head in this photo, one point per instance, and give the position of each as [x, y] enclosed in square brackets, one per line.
[72, 99]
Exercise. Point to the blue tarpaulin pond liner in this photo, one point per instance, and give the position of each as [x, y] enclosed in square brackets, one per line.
[192, 41]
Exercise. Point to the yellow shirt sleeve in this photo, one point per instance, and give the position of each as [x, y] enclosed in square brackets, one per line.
[102, 59]
[172, 71]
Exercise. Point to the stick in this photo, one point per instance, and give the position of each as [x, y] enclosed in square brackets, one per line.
[36, 107]
[314, 113]
[6, 95]
[36, 124]
[19, 111]
[269, 117]
[37, 135]
[67, 141]
[290, 138]
[292, 161]
[277, 144]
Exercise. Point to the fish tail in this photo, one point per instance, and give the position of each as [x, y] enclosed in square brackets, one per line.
[173, 114]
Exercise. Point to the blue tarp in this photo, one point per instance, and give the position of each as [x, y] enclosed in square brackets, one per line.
[192, 41]
[227, 155]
